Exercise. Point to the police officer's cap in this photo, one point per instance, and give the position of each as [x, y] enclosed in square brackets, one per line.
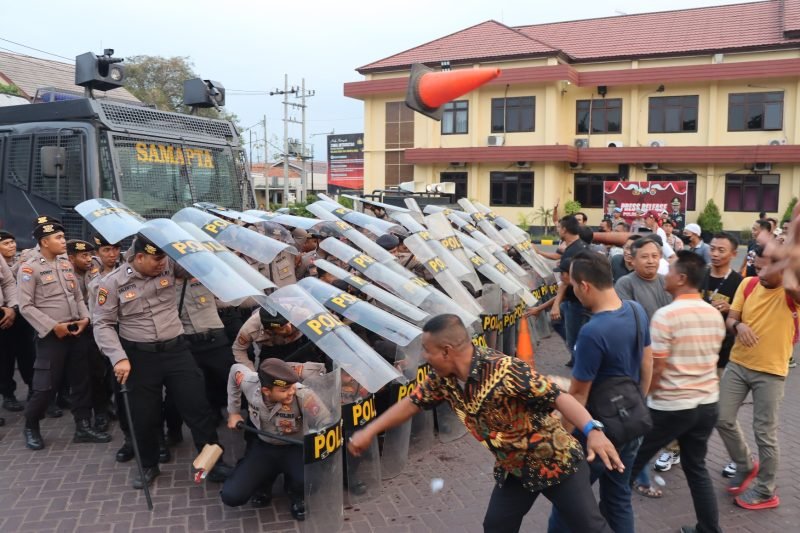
[145, 246]
[276, 373]
[387, 241]
[46, 226]
[268, 319]
[4, 235]
[99, 241]
[76, 246]
[299, 235]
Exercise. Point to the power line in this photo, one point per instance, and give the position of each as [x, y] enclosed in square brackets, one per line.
[37, 49]
[52, 64]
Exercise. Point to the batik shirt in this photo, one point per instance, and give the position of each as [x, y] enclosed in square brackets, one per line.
[509, 407]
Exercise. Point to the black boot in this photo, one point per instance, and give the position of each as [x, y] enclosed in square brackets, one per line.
[33, 439]
[101, 422]
[260, 498]
[84, 432]
[298, 510]
[10, 403]
[219, 473]
[164, 454]
[150, 473]
[125, 453]
[54, 411]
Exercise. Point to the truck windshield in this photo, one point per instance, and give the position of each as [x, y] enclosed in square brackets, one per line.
[160, 176]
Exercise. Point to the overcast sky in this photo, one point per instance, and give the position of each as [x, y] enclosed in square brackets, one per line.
[249, 45]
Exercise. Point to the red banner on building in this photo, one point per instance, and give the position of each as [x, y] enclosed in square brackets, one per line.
[345, 162]
[633, 196]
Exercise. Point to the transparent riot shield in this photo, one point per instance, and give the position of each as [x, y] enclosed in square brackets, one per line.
[387, 299]
[414, 290]
[374, 225]
[449, 426]
[249, 274]
[335, 339]
[363, 472]
[263, 215]
[294, 221]
[230, 214]
[112, 219]
[377, 320]
[248, 242]
[350, 233]
[440, 270]
[491, 321]
[512, 312]
[442, 231]
[527, 253]
[386, 207]
[323, 441]
[190, 254]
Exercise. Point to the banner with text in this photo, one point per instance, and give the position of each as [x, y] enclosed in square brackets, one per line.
[633, 196]
[345, 162]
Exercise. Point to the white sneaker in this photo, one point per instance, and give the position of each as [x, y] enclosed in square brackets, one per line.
[666, 460]
[729, 470]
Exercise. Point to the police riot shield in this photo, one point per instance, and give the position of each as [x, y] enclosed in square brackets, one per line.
[413, 206]
[363, 472]
[487, 264]
[442, 231]
[388, 300]
[374, 225]
[201, 263]
[389, 208]
[289, 220]
[248, 242]
[449, 426]
[441, 273]
[224, 212]
[369, 246]
[323, 441]
[250, 275]
[484, 223]
[491, 320]
[512, 313]
[331, 336]
[377, 320]
[527, 253]
[112, 219]
[414, 290]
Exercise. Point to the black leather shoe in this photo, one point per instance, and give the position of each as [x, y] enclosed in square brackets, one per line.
[150, 474]
[84, 432]
[260, 499]
[54, 411]
[219, 473]
[125, 453]
[164, 454]
[357, 488]
[101, 423]
[174, 437]
[10, 403]
[33, 439]
[298, 510]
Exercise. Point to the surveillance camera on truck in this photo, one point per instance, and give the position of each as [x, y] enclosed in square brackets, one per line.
[57, 154]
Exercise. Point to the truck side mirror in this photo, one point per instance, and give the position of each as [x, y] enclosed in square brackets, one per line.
[53, 160]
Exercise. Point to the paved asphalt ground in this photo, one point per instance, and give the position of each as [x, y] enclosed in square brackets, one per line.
[79, 487]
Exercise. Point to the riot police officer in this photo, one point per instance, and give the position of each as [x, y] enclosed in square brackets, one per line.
[150, 352]
[50, 299]
[9, 307]
[273, 334]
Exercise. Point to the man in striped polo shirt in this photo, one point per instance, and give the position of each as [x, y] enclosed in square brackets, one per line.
[684, 393]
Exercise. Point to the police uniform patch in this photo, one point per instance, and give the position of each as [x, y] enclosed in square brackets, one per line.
[239, 377]
[26, 277]
[27, 270]
[130, 295]
[102, 295]
[164, 282]
[241, 339]
[48, 277]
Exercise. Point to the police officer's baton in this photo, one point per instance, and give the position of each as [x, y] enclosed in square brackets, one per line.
[124, 390]
[242, 425]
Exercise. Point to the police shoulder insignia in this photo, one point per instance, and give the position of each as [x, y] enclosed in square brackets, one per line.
[42, 260]
[164, 282]
[27, 270]
[242, 339]
[26, 277]
[239, 377]
[129, 271]
[102, 295]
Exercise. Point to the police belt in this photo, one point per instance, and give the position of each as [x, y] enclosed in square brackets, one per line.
[206, 336]
[155, 347]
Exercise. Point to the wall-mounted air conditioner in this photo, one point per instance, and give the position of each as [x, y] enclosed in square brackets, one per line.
[650, 166]
[614, 144]
[581, 143]
[458, 164]
[496, 140]
[762, 167]
[523, 164]
[657, 144]
[777, 142]
[575, 166]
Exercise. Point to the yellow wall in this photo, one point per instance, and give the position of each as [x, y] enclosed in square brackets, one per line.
[555, 124]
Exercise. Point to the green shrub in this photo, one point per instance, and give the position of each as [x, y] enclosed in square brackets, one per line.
[787, 215]
[710, 219]
[572, 207]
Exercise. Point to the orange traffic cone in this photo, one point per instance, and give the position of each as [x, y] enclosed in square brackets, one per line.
[525, 343]
[428, 89]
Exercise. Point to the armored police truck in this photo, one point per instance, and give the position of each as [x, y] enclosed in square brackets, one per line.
[57, 154]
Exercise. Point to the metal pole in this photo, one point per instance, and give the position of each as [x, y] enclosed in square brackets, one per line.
[303, 140]
[285, 140]
[123, 389]
[266, 163]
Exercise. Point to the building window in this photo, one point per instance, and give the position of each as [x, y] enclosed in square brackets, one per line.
[673, 114]
[752, 192]
[396, 169]
[455, 117]
[511, 189]
[755, 111]
[513, 114]
[399, 126]
[691, 192]
[459, 178]
[589, 188]
[605, 115]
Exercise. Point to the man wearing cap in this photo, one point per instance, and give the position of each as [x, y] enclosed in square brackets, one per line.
[273, 334]
[150, 352]
[50, 299]
[696, 243]
[392, 244]
[277, 405]
[676, 215]
[17, 335]
[306, 242]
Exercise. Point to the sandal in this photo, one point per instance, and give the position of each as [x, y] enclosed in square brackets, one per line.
[648, 491]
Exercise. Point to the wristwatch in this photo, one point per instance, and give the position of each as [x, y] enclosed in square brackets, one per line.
[592, 425]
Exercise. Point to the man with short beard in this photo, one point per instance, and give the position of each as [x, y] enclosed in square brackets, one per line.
[645, 285]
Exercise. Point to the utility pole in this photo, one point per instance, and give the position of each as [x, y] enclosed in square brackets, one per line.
[266, 163]
[303, 157]
[286, 91]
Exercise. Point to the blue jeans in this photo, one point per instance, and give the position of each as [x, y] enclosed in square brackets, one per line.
[573, 316]
[615, 492]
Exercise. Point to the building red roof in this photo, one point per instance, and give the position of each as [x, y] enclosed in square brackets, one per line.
[749, 26]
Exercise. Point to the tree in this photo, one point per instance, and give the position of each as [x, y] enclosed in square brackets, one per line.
[787, 215]
[710, 219]
[10, 89]
[572, 207]
[159, 81]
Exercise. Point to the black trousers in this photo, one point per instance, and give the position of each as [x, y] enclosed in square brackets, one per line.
[100, 379]
[692, 429]
[260, 466]
[56, 358]
[215, 358]
[17, 344]
[573, 498]
[176, 370]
